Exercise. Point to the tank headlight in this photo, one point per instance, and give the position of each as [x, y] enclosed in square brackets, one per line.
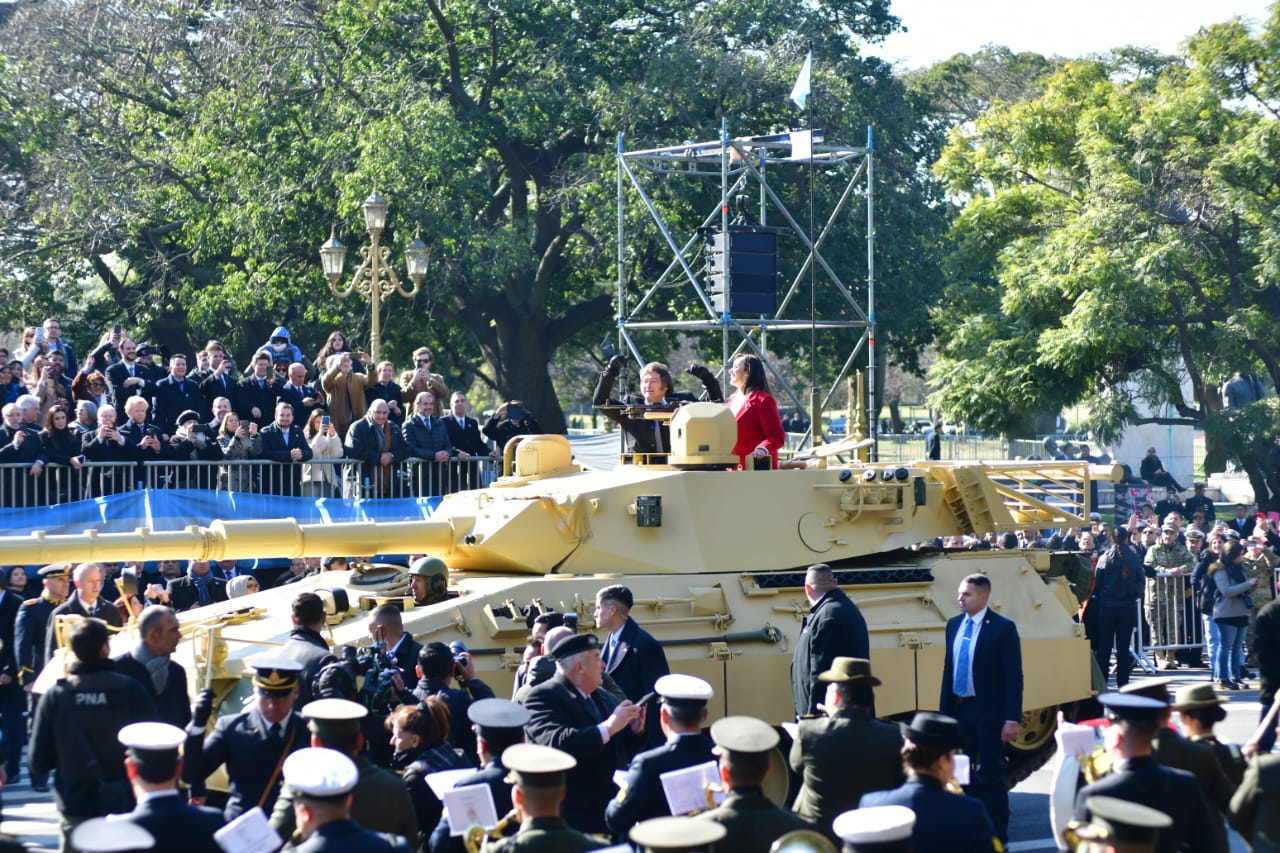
[869, 475]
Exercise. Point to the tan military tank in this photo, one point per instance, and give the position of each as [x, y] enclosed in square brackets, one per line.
[715, 559]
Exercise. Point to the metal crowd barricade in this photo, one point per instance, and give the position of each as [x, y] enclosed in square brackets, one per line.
[1172, 621]
[56, 484]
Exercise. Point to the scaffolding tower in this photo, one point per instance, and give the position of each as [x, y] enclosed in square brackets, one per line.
[739, 163]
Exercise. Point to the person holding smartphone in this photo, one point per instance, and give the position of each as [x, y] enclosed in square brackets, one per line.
[321, 479]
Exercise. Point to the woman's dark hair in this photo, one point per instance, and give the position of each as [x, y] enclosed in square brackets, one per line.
[756, 378]
[920, 756]
[49, 416]
[1207, 717]
[328, 350]
[1233, 552]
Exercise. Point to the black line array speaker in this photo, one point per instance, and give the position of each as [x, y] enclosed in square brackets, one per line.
[748, 258]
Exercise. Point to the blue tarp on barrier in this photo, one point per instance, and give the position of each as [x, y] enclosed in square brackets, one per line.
[176, 509]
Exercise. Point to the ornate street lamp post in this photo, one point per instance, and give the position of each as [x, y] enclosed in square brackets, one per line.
[374, 278]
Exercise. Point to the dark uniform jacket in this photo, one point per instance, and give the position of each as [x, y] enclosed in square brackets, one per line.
[379, 802]
[640, 796]
[1201, 503]
[243, 742]
[102, 609]
[176, 825]
[459, 700]
[834, 628]
[493, 774]
[1198, 759]
[636, 663]
[544, 835]
[752, 822]
[1174, 792]
[413, 768]
[74, 734]
[562, 718]
[825, 750]
[172, 703]
[944, 821]
[310, 649]
[346, 836]
[29, 636]
[1255, 808]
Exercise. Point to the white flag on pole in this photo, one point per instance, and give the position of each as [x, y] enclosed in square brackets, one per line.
[800, 91]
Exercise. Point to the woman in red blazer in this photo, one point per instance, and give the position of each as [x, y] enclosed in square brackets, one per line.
[760, 432]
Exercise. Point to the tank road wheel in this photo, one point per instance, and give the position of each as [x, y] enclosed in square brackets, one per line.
[1034, 745]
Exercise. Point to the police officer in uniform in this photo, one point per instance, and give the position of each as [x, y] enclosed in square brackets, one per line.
[682, 714]
[252, 744]
[320, 782]
[498, 724]
[538, 773]
[153, 765]
[1138, 778]
[1118, 826]
[751, 821]
[74, 733]
[379, 799]
[849, 735]
[29, 637]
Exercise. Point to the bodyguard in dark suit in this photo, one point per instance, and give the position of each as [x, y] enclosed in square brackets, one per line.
[632, 657]
[153, 767]
[1137, 777]
[571, 712]
[149, 663]
[834, 628]
[850, 736]
[283, 442]
[944, 821]
[499, 723]
[682, 714]
[306, 644]
[982, 690]
[751, 821]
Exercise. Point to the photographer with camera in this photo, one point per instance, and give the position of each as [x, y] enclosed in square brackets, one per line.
[384, 666]
[510, 419]
[438, 667]
[656, 392]
[193, 440]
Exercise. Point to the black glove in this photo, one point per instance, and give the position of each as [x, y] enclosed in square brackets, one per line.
[700, 371]
[202, 710]
[615, 364]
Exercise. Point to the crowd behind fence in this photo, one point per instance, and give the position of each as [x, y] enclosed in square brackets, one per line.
[327, 478]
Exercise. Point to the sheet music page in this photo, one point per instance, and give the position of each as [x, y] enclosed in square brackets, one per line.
[469, 806]
[685, 789]
[249, 833]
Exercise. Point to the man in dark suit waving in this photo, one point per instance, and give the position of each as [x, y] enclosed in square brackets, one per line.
[632, 657]
[982, 689]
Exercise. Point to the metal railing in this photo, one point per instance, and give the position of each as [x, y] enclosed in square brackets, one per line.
[318, 478]
[1168, 620]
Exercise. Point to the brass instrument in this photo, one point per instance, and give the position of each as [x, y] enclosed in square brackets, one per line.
[474, 836]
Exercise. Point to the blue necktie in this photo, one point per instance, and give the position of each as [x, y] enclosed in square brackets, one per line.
[960, 682]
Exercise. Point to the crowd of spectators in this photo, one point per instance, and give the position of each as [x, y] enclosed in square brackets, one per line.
[333, 425]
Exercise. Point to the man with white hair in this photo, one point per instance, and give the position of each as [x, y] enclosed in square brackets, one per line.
[106, 444]
[18, 444]
[86, 601]
[572, 712]
[380, 445]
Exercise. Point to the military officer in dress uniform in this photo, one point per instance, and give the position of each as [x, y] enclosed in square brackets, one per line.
[29, 637]
[682, 715]
[252, 744]
[498, 724]
[379, 800]
[751, 821]
[103, 835]
[676, 835]
[850, 735]
[1118, 827]
[320, 782]
[153, 765]
[538, 773]
[882, 829]
[1138, 778]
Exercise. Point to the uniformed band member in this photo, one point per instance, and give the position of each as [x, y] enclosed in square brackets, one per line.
[1138, 777]
[252, 744]
[944, 820]
[676, 835]
[1199, 709]
[29, 637]
[1255, 807]
[102, 835]
[378, 801]
[538, 774]
[320, 782]
[876, 829]
[74, 733]
[1118, 826]
[682, 714]
[751, 821]
[848, 736]
[153, 765]
[498, 724]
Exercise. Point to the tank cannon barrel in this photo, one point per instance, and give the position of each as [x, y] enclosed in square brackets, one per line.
[231, 540]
